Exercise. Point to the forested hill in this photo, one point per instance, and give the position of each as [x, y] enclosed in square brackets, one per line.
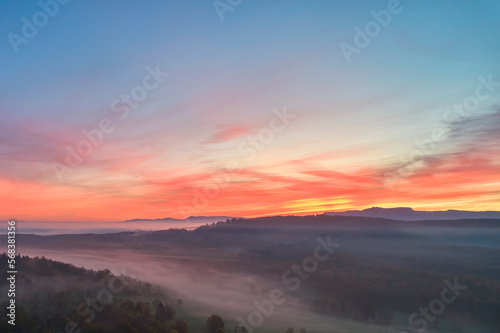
[55, 297]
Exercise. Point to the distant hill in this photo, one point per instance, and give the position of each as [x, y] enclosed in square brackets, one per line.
[408, 214]
[399, 213]
[197, 219]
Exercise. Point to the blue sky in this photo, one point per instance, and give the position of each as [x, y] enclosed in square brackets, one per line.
[225, 78]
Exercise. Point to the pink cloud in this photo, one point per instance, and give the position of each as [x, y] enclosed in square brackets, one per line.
[228, 133]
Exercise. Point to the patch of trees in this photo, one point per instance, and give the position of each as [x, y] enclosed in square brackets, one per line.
[121, 317]
[43, 309]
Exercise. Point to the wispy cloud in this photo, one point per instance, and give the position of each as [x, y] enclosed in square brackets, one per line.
[230, 132]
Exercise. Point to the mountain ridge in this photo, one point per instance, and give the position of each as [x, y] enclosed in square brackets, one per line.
[207, 219]
[396, 213]
[409, 214]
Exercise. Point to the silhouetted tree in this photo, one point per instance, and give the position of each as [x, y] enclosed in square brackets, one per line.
[181, 326]
[164, 312]
[214, 322]
[139, 307]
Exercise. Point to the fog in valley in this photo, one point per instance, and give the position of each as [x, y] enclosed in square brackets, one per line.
[378, 272]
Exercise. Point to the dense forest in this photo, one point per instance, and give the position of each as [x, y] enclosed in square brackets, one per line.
[55, 297]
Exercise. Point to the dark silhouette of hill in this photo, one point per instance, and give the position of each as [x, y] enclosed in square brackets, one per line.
[408, 214]
[378, 214]
[202, 219]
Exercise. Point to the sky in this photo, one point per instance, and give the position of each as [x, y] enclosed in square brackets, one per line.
[124, 109]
